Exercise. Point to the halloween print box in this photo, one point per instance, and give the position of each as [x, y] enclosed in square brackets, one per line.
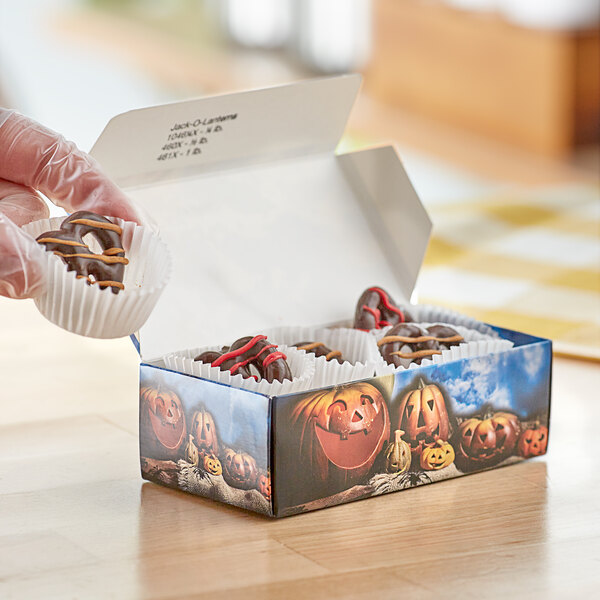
[269, 227]
[284, 455]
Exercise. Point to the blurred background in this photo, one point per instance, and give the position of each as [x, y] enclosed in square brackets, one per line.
[494, 105]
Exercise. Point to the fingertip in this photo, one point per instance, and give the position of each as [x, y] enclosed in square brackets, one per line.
[21, 204]
[21, 271]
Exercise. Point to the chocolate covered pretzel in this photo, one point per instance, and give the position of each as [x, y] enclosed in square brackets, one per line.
[405, 343]
[256, 351]
[320, 349]
[104, 270]
[376, 309]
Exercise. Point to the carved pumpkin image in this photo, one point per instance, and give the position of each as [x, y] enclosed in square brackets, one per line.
[264, 485]
[191, 452]
[340, 432]
[212, 464]
[162, 423]
[423, 416]
[485, 442]
[437, 457]
[398, 455]
[533, 441]
[205, 433]
[239, 469]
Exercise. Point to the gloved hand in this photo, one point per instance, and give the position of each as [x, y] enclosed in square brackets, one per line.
[32, 158]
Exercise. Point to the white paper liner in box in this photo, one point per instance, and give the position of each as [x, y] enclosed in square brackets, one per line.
[428, 313]
[301, 365]
[476, 343]
[358, 348]
[91, 311]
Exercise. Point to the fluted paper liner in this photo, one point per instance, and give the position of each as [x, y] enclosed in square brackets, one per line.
[428, 313]
[91, 311]
[477, 343]
[301, 365]
[358, 348]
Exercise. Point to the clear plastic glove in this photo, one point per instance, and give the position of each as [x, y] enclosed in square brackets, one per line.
[32, 158]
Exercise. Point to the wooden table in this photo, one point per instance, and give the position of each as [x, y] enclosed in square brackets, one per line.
[76, 520]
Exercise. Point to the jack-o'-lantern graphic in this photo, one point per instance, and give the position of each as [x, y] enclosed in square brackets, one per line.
[239, 469]
[484, 442]
[205, 433]
[162, 423]
[533, 441]
[422, 415]
[341, 431]
[191, 454]
[264, 485]
[398, 455]
[437, 456]
[212, 464]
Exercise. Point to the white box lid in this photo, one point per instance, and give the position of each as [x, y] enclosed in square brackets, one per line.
[266, 225]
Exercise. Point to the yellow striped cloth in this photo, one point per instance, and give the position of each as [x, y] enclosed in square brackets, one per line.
[526, 258]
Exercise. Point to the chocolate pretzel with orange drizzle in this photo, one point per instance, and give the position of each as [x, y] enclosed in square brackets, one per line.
[106, 269]
[320, 349]
[376, 309]
[406, 343]
[270, 363]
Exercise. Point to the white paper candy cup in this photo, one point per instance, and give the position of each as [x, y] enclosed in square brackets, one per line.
[88, 310]
[428, 313]
[358, 349]
[301, 365]
[476, 343]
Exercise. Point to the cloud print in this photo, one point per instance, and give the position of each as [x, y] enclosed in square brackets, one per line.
[475, 383]
[533, 360]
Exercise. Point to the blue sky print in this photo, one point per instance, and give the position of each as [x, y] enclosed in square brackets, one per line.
[241, 417]
[517, 380]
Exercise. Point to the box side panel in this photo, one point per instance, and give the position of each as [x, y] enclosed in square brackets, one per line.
[205, 438]
[341, 444]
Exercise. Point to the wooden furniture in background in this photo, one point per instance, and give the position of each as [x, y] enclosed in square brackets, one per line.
[538, 90]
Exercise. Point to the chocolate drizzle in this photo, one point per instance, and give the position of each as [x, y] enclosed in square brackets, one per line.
[406, 343]
[106, 269]
[270, 363]
[376, 309]
[320, 349]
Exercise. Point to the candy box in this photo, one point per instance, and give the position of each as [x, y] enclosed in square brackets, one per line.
[269, 227]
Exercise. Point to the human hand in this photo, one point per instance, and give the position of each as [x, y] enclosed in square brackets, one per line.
[33, 158]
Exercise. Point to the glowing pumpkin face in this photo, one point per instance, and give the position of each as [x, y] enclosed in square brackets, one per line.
[437, 457]
[423, 416]
[264, 485]
[239, 469]
[341, 431]
[397, 455]
[205, 433]
[533, 442]
[485, 442]
[162, 423]
[212, 465]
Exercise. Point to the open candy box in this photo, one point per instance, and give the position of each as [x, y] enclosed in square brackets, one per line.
[271, 230]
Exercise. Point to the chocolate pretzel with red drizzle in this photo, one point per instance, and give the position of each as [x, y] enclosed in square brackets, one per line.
[270, 363]
[320, 349]
[376, 309]
[106, 269]
[406, 343]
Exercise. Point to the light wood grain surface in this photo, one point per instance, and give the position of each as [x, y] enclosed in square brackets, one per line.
[76, 520]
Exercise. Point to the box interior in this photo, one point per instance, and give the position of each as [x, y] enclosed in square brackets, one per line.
[269, 231]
